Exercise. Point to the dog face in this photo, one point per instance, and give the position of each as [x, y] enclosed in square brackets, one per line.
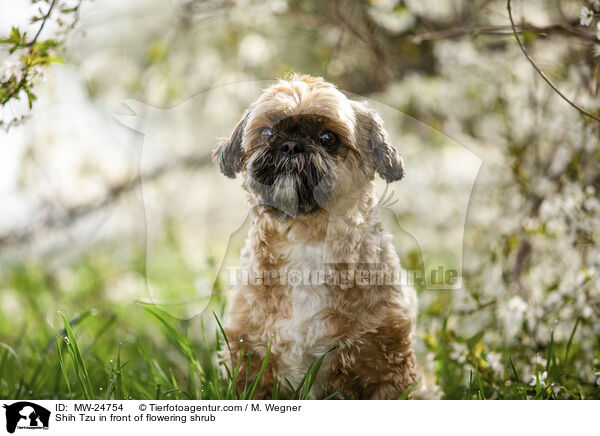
[295, 164]
[303, 146]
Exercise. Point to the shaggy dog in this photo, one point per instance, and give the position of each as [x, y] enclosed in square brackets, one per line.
[323, 273]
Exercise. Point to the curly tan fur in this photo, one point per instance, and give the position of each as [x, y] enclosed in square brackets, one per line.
[371, 325]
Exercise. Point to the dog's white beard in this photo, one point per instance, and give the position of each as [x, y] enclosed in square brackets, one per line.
[285, 195]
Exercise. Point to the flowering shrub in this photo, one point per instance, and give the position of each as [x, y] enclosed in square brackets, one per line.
[25, 58]
[532, 258]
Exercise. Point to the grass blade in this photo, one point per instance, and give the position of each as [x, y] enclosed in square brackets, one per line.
[339, 391]
[480, 384]
[78, 362]
[258, 376]
[514, 370]
[62, 364]
[550, 355]
[118, 377]
[409, 390]
[183, 341]
[313, 372]
[571, 341]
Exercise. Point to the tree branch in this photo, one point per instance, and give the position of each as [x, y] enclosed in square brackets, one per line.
[539, 71]
[455, 32]
[44, 19]
[115, 192]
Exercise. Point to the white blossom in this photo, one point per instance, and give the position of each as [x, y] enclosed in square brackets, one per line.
[495, 361]
[542, 377]
[459, 352]
[11, 68]
[586, 16]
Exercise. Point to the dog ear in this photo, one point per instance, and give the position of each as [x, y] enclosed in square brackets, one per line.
[375, 141]
[229, 154]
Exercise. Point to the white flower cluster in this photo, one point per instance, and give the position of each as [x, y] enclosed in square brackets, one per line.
[24, 76]
[459, 352]
[587, 15]
[12, 70]
[11, 66]
[533, 228]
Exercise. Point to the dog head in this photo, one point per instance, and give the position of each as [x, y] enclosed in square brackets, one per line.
[303, 146]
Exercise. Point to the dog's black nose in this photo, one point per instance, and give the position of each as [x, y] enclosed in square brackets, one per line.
[291, 147]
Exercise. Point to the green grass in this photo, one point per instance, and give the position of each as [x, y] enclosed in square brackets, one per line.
[127, 350]
[68, 376]
[77, 343]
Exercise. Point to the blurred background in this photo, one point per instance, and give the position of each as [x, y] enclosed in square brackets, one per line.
[110, 204]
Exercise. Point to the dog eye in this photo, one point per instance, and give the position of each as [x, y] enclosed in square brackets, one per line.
[266, 133]
[327, 138]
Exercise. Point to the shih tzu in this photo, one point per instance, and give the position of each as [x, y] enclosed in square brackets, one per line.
[323, 272]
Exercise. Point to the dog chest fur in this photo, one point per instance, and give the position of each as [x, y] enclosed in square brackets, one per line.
[306, 332]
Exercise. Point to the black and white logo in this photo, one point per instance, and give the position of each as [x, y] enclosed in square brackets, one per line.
[26, 415]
